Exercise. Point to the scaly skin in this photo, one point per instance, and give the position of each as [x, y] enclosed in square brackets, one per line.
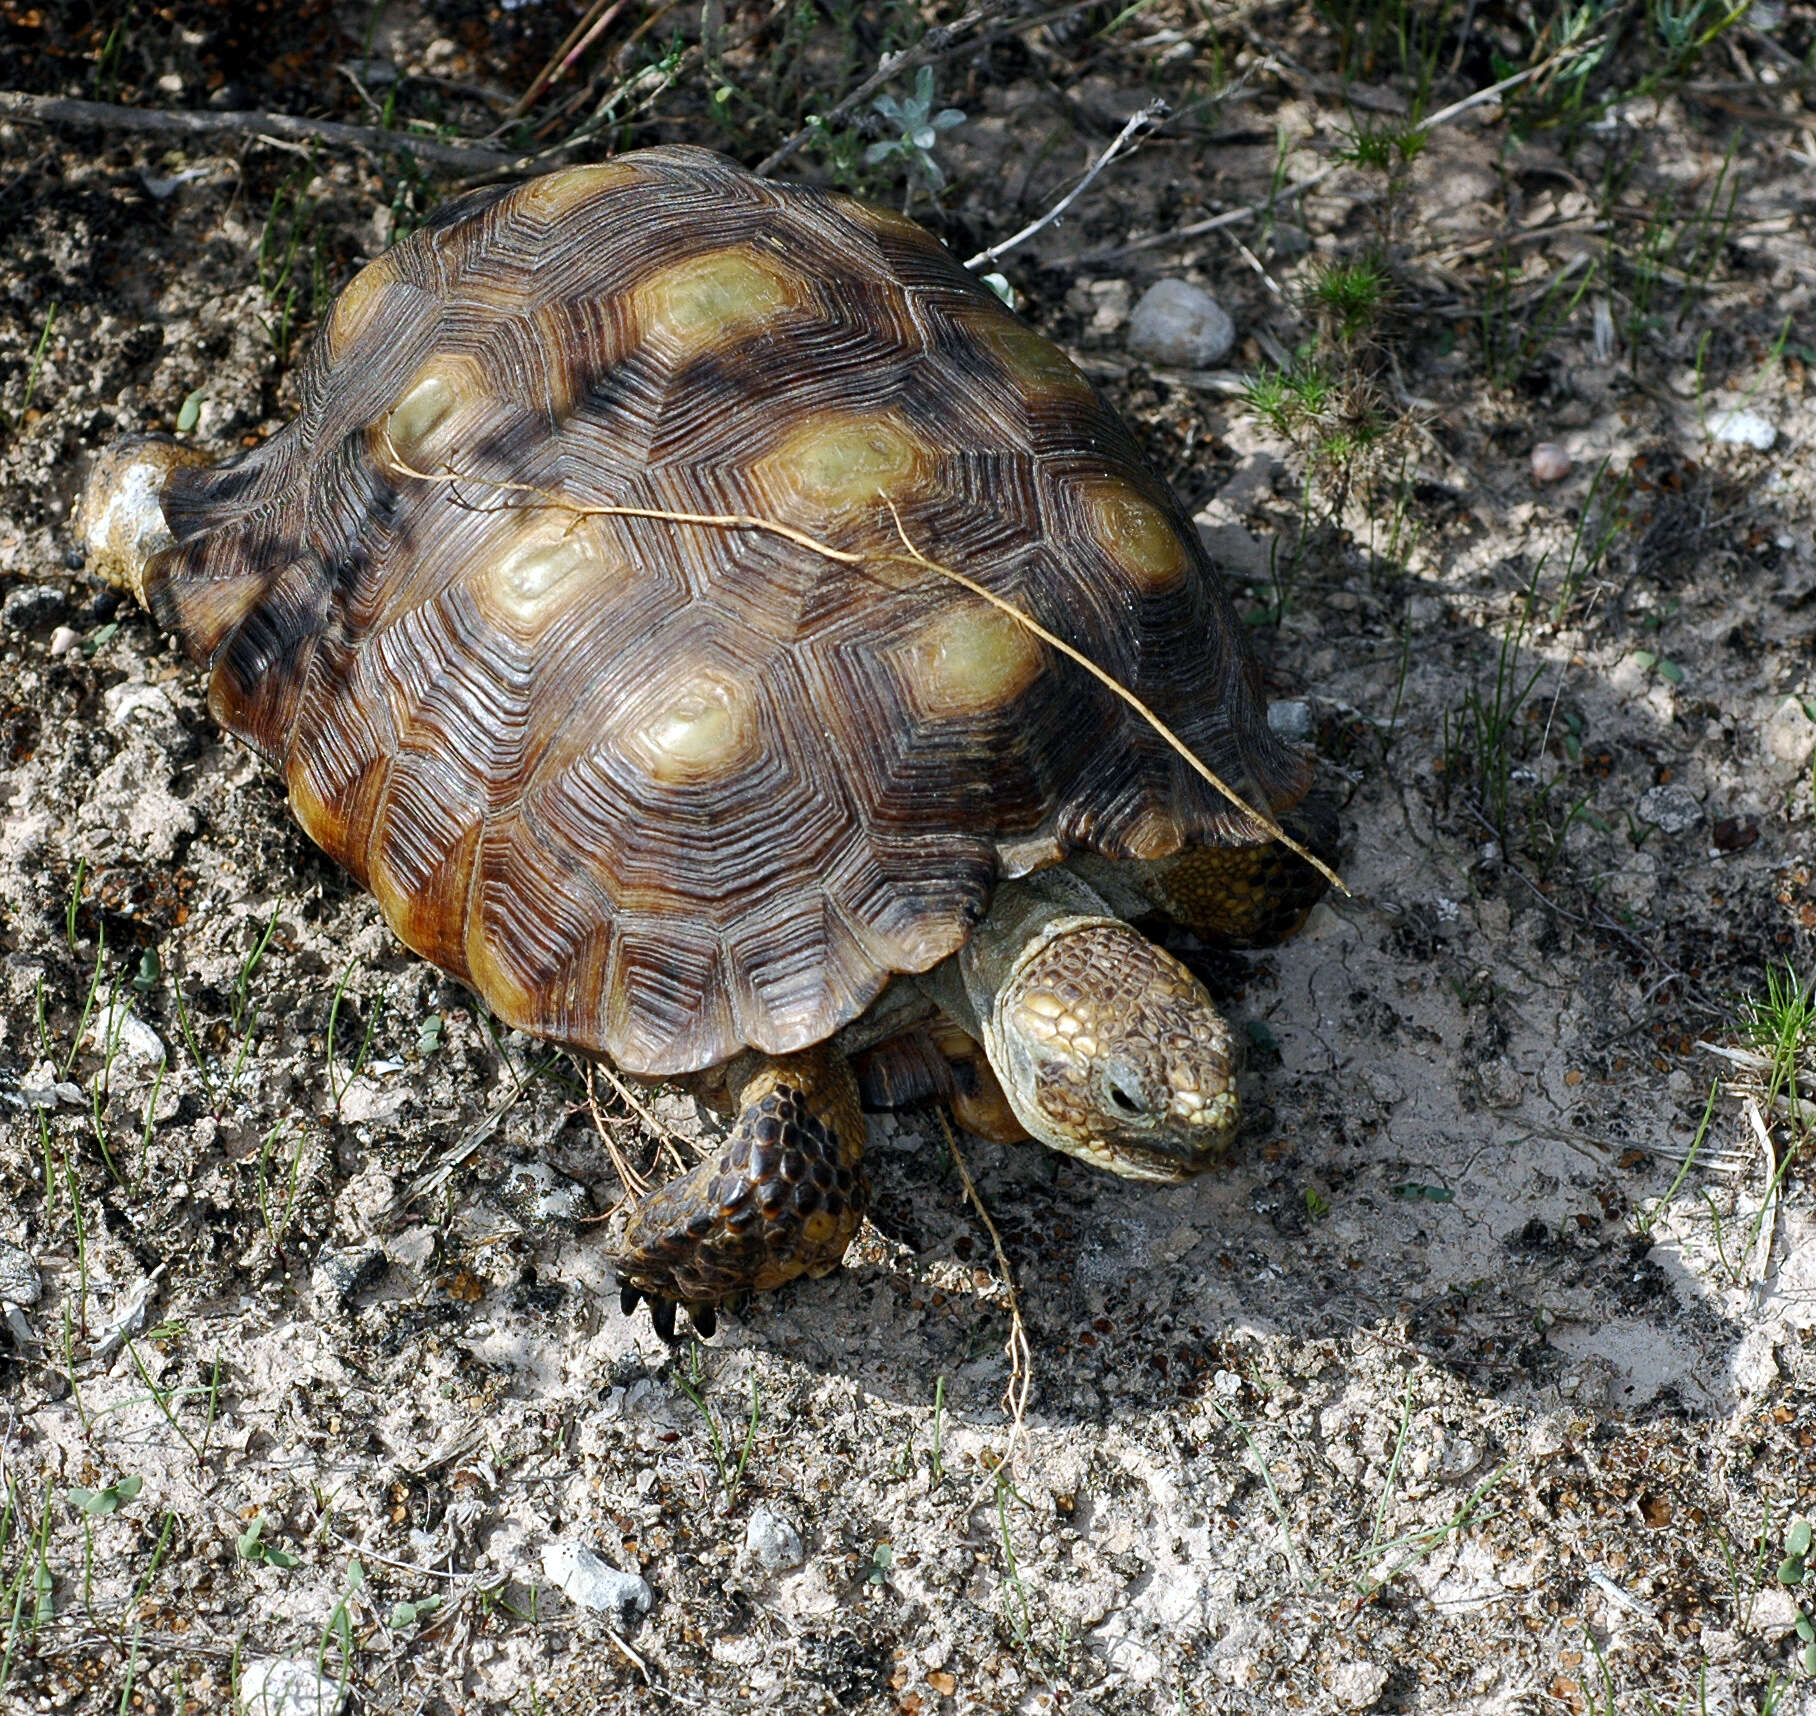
[783, 1197]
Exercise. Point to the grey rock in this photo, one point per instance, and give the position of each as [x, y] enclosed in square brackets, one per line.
[537, 1195]
[282, 1686]
[32, 608]
[340, 1276]
[583, 1578]
[1291, 718]
[773, 1542]
[1180, 326]
[1670, 809]
[20, 1283]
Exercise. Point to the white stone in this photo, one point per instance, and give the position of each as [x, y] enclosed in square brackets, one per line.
[1290, 718]
[1790, 734]
[1356, 1685]
[136, 701]
[774, 1543]
[1180, 326]
[583, 1578]
[1742, 429]
[1550, 463]
[280, 1686]
[120, 1030]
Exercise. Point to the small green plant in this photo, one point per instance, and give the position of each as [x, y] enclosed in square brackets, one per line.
[337, 1087]
[253, 1547]
[410, 1614]
[882, 1558]
[37, 367]
[1350, 297]
[1796, 1574]
[731, 1472]
[918, 130]
[1486, 729]
[292, 261]
[98, 1503]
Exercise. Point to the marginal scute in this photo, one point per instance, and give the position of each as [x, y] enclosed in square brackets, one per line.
[1140, 538]
[972, 660]
[712, 299]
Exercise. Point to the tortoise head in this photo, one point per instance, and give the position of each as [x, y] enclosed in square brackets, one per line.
[1110, 1050]
[120, 519]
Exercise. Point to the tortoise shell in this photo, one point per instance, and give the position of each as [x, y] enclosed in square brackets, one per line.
[661, 788]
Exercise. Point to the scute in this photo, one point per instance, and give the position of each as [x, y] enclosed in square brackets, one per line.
[663, 788]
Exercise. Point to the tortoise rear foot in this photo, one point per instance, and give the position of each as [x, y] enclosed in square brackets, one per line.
[783, 1197]
[1251, 896]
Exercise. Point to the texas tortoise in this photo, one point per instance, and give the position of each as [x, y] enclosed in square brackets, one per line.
[592, 607]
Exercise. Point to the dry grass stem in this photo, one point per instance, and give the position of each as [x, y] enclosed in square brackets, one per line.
[634, 1183]
[1021, 1358]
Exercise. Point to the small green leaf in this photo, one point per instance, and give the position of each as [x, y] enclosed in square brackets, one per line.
[189, 413]
[97, 1503]
[1670, 670]
[1797, 1540]
[1790, 1570]
[1414, 1192]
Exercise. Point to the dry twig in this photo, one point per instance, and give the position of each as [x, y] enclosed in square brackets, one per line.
[1021, 1357]
[1151, 115]
[283, 127]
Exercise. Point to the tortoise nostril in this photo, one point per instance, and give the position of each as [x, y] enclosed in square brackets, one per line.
[1125, 1100]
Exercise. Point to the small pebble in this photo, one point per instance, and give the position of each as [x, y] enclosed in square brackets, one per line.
[1180, 326]
[1790, 734]
[340, 1276]
[32, 608]
[119, 1030]
[536, 1194]
[1742, 429]
[1550, 463]
[63, 640]
[280, 1686]
[774, 1543]
[1670, 809]
[20, 1283]
[1290, 718]
[583, 1578]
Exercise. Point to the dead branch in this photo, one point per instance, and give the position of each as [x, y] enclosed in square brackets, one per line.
[281, 127]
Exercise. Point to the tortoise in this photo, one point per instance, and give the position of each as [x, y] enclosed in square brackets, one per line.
[662, 603]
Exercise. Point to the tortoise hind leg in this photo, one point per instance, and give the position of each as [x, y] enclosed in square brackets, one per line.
[1248, 896]
[783, 1197]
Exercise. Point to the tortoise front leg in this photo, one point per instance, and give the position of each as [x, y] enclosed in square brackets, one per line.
[783, 1198]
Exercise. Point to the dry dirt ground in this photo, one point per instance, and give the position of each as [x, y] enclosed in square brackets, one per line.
[1483, 1378]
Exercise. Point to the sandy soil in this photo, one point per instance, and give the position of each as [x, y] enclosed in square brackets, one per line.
[1484, 1378]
